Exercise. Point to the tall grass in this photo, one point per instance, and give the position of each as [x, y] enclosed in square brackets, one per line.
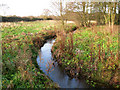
[20, 44]
[92, 52]
[20, 47]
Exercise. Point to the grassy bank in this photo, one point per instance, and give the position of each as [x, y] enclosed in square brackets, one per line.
[21, 42]
[91, 52]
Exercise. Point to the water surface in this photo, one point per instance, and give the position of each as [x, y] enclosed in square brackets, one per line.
[56, 73]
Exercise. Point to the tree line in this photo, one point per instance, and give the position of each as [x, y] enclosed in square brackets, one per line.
[105, 13]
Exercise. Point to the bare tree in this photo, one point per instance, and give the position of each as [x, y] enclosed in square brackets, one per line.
[82, 12]
[79, 12]
[46, 13]
[59, 9]
[4, 8]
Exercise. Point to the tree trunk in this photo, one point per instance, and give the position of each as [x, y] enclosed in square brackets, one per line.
[104, 11]
[115, 8]
[83, 23]
[61, 14]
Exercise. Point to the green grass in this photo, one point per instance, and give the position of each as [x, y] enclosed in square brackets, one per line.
[20, 44]
[26, 27]
[92, 52]
[19, 51]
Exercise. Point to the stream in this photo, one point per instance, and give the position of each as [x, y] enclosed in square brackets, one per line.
[56, 73]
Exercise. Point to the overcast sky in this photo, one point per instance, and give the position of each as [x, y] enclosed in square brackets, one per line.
[25, 7]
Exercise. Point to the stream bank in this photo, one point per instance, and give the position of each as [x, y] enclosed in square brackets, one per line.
[20, 44]
[86, 53]
[55, 72]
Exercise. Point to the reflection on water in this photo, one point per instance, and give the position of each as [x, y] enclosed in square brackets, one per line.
[56, 73]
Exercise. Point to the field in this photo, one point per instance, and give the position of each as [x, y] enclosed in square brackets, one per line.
[20, 44]
[18, 55]
[60, 44]
[91, 52]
